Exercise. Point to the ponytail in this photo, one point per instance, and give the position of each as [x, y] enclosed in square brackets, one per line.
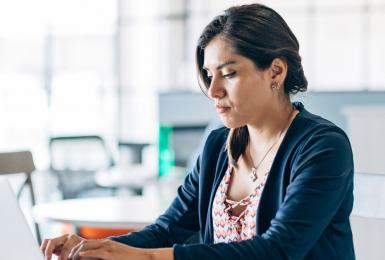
[236, 144]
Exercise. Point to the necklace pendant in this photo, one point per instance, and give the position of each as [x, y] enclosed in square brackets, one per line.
[254, 175]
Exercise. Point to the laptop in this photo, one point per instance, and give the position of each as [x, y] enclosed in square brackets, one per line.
[16, 239]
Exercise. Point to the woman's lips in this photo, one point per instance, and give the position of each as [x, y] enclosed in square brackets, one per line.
[222, 109]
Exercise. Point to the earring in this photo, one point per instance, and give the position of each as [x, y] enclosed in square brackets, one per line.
[276, 86]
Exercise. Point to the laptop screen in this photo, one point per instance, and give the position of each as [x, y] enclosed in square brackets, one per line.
[16, 240]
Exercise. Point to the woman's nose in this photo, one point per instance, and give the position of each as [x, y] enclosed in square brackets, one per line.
[216, 89]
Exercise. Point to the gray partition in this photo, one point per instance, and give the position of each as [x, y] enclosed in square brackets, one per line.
[192, 110]
[331, 105]
[186, 108]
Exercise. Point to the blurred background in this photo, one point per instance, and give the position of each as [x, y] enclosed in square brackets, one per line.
[94, 87]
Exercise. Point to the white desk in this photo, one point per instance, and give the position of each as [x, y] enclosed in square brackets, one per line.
[109, 212]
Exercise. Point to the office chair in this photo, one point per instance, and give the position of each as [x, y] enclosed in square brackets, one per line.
[16, 163]
[75, 160]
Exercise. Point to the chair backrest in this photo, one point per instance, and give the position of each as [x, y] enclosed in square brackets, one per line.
[88, 152]
[16, 162]
[75, 160]
[19, 162]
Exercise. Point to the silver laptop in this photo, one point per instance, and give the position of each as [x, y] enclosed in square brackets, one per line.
[16, 239]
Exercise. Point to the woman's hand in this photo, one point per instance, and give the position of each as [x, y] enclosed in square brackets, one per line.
[106, 250]
[60, 246]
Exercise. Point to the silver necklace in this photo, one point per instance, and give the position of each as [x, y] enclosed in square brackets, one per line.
[254, 168]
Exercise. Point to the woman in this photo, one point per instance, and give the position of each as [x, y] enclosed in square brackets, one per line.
[276, 183]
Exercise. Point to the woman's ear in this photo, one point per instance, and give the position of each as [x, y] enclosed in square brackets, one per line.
[278, 70]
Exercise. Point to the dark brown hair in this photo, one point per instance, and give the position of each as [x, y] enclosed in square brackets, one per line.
[260, 34]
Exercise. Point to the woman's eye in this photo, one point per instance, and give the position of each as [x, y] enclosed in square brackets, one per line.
[229, 75]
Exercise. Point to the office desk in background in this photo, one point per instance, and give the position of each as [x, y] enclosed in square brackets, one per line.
[109, 212]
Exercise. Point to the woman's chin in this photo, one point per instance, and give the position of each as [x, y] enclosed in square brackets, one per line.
[231, 123]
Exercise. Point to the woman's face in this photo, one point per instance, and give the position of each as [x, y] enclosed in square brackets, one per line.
[242, 93]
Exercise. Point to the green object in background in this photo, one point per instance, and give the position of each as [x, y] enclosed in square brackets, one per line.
[166, 155]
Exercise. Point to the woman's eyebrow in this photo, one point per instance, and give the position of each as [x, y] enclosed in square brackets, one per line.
[221, 66]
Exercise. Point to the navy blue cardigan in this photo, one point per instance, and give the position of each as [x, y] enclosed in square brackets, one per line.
[304, 208]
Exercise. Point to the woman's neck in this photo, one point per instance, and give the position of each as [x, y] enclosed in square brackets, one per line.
[272, 126]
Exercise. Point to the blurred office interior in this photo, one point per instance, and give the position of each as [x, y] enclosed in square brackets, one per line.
[90, 85]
